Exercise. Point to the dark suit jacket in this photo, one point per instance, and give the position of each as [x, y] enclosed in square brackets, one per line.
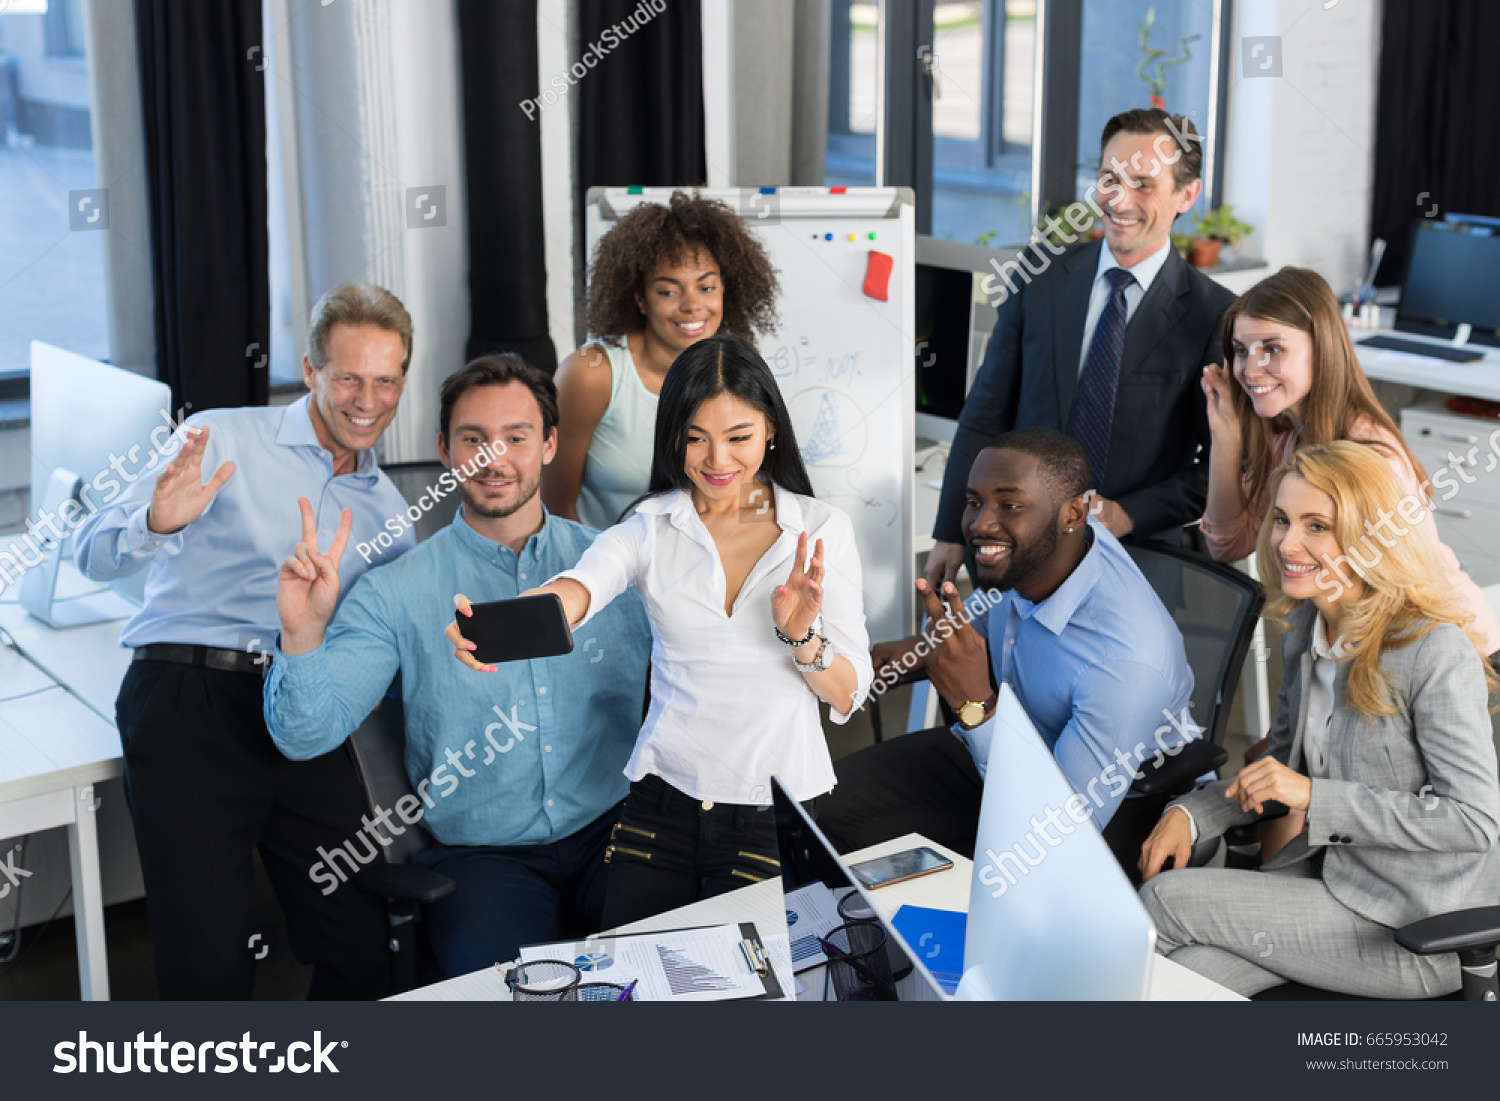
[1029, 379]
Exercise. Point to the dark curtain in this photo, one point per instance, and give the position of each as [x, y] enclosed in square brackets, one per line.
[1438, 113]
[503, 158]
[205, 113]
[640, 111]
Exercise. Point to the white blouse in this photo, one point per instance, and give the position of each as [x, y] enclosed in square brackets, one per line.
[728, 709]
[1320, 699]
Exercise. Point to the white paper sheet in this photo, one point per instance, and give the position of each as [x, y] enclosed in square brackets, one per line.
[690, 965]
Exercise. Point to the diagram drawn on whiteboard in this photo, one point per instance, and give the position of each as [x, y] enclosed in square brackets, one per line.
[830, 426]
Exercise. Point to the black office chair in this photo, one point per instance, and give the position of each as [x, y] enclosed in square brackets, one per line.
[1216, 609]
[379, 750]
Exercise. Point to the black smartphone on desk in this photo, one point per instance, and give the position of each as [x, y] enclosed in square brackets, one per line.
[517, 630]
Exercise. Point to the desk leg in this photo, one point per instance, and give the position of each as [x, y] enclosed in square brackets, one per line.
[88, 898]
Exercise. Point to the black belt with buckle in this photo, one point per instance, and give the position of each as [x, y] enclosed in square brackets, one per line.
[206, 657]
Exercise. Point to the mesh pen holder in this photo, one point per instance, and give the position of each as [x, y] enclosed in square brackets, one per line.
[543, 981]
[860, 971]
[853, 907]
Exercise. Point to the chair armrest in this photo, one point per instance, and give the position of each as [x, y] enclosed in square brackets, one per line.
[911, 676]
[406, 882]
[1458, 931]
[1174, 775]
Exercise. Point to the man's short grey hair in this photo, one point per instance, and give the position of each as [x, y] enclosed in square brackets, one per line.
[357, 304]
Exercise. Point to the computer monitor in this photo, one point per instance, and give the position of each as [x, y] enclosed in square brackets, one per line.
[953, 323]
[1051, 915]
[94, 430]
[807, 857]
[1452, 272]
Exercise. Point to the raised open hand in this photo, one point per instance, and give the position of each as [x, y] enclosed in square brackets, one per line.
[795, 605]
[180, 496]
[1218, 391]
[307, 588]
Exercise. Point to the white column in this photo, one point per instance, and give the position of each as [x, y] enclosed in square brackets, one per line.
[554, 51]
[379, 116]
[718, 92]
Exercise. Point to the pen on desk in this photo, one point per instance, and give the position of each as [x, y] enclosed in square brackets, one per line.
[628, 991]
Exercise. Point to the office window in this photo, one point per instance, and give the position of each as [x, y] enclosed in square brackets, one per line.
[852, 94]
[55, 214]
[982, 118]
[64, 28]
[1110, 81]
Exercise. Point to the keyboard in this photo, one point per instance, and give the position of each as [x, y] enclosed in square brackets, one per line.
[1419, 348]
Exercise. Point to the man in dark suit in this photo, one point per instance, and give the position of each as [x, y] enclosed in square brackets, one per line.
[1106, 342]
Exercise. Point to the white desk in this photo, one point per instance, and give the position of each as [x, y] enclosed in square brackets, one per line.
[762, 904]
[88, 660]
[53, 750]
[1480, 379]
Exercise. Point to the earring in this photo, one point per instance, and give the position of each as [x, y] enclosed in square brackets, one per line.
[772, 445]
[1070, 531]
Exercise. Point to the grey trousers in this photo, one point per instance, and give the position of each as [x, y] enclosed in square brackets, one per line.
[1250, 930]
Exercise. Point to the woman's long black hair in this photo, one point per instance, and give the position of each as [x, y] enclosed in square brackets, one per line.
[722, 364]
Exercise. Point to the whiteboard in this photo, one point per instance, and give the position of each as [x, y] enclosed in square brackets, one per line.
[843, 359]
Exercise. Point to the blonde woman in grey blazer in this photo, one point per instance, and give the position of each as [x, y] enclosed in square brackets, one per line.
[1381, 741]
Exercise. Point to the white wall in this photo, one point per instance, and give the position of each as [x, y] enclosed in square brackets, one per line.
[1301, 146]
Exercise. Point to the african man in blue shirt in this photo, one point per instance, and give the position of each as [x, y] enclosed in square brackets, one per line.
[518, 775]
[1092, 654]
[205, 784]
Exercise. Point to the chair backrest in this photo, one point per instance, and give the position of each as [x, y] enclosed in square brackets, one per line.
[379, 750]
[1216, 608]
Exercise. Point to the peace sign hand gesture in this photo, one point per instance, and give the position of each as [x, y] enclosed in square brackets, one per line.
[307, 588]
[795, 605]
[180, 496]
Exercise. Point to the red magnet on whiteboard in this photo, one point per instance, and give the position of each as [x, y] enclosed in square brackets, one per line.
[878, 276]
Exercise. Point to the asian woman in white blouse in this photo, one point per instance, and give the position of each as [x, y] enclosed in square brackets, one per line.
[750, 631]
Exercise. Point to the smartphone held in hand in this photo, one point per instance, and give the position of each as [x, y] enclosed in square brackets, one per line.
[517, 630]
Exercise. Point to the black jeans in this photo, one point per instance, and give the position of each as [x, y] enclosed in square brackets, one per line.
[207, 787]
[925, 782]
[669, 849]
[510, 895]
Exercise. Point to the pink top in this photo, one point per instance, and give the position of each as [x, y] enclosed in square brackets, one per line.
[1234, 539]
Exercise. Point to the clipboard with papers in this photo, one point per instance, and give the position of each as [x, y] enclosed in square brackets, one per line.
[707, 963]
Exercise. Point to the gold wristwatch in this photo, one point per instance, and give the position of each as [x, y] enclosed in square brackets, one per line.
[974, 712]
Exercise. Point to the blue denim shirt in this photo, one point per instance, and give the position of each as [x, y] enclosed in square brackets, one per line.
[528, 755]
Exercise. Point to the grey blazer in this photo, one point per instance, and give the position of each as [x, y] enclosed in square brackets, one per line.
[1410, 812]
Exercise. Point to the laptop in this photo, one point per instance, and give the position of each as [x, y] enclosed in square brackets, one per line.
[1051, 914]
[808, 859]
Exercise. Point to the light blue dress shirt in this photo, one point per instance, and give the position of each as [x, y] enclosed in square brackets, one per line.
[1145, 273]
[1099, 667]
[527, 755]
[214, 582]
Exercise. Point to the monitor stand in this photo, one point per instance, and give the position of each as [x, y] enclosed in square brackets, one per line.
[38, 594]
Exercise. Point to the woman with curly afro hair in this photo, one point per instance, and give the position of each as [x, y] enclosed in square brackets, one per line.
[661, 280]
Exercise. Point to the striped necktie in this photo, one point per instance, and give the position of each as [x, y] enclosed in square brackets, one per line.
[1094, 412]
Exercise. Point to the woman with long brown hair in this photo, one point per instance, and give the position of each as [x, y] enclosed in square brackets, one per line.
[1381, 742]
[1291, 380]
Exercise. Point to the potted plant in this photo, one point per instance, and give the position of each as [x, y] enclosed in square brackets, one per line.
[1215, 229]
[1158, 82]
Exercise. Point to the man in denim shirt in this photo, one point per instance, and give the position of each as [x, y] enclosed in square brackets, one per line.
[519, 774]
